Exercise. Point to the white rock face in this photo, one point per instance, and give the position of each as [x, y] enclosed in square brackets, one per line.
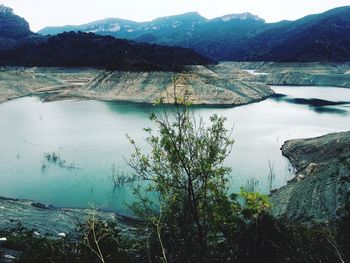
[115, 27]
[243, 16]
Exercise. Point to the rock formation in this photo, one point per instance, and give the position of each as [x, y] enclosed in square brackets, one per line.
[321, 189]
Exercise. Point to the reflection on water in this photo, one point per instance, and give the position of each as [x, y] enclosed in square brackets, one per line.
[311, 102]
[317, 105]
[40, 140]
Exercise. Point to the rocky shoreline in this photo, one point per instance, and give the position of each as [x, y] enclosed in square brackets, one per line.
[320, 192]
[53, 222]
[202, 86]
[48, 220]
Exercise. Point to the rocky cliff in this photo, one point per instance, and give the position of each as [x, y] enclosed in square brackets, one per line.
[321, 189]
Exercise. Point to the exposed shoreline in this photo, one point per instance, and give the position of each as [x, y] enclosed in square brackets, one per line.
[50, 220]
[328, 74]
[225, 84]
[201, 85]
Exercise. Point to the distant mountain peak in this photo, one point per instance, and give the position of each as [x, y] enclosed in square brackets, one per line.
[187, 16]
[242, 16]
[191, 14]
[6, 10]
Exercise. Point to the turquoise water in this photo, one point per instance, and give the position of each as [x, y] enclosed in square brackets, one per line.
[89, 138]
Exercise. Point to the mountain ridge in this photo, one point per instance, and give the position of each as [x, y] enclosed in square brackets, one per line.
[162, 18]
[317, 37]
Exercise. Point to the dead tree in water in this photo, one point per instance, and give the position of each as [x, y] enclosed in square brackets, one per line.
[271, 175]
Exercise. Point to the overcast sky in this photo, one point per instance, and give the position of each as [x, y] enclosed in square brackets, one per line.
[41, 13]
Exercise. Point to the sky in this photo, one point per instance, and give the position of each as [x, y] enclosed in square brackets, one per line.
[41, 13]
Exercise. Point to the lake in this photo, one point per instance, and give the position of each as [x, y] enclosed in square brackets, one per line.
[62, 153]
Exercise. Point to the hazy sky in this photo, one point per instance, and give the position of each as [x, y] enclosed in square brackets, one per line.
[41, 13]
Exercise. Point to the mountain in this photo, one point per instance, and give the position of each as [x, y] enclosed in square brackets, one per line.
[13, 29]
[320, 37]
[121, 28]
[90, 50]
[189, 30]
[21, 47]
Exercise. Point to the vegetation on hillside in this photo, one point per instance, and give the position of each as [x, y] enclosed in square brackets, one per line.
[89, 50]
[13, 29]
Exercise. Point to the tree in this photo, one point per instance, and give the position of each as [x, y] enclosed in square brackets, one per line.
[186, 169]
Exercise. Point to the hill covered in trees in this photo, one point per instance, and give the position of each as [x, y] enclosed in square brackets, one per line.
[13, 29]
[90, 50]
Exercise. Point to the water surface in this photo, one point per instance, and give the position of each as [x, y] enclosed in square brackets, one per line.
[88, 138]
